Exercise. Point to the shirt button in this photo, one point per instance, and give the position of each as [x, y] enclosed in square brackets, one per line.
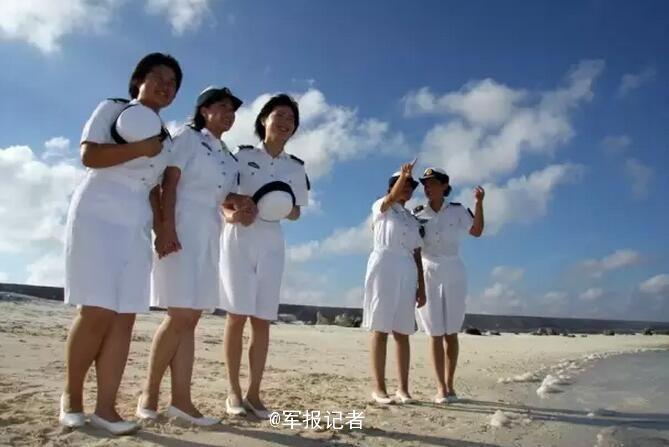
[272, 175]
[151, 165]
[219, 186]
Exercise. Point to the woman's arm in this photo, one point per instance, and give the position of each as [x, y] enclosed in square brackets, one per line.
[477, 227]
[238, 208]
[396, 191]
[294, 213]
[103, 155]
[420, 291]
[167, 240]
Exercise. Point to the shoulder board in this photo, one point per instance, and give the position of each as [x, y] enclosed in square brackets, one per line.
[470, 212]
[456, 203]
[119, 100]
[418, 209]
[243, 147]
[299, 160]
[233, 156]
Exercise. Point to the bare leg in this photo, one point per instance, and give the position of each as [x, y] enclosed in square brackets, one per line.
[181, 368]
[83, 344]
[403, 360]
[452, 350]
[233, 341]
[257, 359]
[438, 362]
[110, 364]
[379, 344]
[163, 349]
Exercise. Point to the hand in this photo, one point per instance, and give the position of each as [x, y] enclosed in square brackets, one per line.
[166, 241]
[151, 146]
[241, 202]
[420, 297]
[244, 216]
[407, 168]
[479, 193]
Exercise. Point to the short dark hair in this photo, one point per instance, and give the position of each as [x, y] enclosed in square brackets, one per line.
[281, 99]
[144, 67]
[197, 121]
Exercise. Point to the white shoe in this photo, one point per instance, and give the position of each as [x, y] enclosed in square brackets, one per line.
[260, 414]
[203, 421]
[234, 410]
[115, 428]
[145, 413]
[71, 420]
[381, 399]
[441, 400]
[404, 398]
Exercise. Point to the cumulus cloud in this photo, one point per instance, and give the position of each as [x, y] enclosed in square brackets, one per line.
[507, 274]
[640, 176]
[617, 260]
[44, 23]
[656, 285]
[592, 294]
[328, 133]
[491, 125]
[633, 81]
[33, 203]
[523, 199]
[182, 15]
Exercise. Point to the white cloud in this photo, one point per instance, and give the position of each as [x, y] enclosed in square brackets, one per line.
[342, 241]
[555, 296]
[507, 274]
[33, 203]
[48, 270]
[56, 149]
[523, 199]
[639, 176]
[632, 81]
[592, 294]
[182, 15]
[328, 133]
[615, 261]
[44, 23]
[499, 291]
[616, 144]
[656, 285]
[494, 125]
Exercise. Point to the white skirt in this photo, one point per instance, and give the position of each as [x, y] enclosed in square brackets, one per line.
[107, 265]
[390, 292]
[251, 268]
[446, 293]
[189, 278]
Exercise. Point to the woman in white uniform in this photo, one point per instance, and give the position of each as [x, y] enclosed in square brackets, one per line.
[197, 181]
[393, 283]
[252, 250]
[444, 225]
[108, 242]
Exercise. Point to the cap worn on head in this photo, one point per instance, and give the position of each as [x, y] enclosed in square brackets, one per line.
[213, 94]
[435, 173]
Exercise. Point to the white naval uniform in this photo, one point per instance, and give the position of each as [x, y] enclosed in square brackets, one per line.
[252, 258]
[392, 277]
[189, 278]
[108, 231]
[444, 273]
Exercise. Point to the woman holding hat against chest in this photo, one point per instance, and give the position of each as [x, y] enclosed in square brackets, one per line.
[445, 277]
[394, 282]
[252, 248]
[197, 182]
[108, 240]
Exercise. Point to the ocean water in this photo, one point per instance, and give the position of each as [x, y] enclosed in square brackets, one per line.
[623, 399]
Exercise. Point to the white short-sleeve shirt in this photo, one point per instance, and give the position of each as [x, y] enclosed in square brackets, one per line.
[208, 169]
[444, 229]
[257, 168]
[142, 172]
[395, 229]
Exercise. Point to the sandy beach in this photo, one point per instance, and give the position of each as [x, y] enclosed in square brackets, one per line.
[310, 368]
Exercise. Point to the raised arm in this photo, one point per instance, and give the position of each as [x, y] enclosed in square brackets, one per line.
[395, 192]
[477, 227]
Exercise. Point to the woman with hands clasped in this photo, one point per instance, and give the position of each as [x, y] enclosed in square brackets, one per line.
[394, 282]
[197, 183]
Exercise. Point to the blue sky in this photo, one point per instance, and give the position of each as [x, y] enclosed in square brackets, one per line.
[558, 108]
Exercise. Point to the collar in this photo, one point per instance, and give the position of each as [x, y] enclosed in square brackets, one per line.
[210, 138]
[282, 154]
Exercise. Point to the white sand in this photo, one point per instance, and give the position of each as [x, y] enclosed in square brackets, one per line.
[310, 368]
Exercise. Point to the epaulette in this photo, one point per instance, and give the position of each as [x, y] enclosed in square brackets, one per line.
[119, 100]
[243, 147]
[456, 203]
[299, 160]
[233, 156]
